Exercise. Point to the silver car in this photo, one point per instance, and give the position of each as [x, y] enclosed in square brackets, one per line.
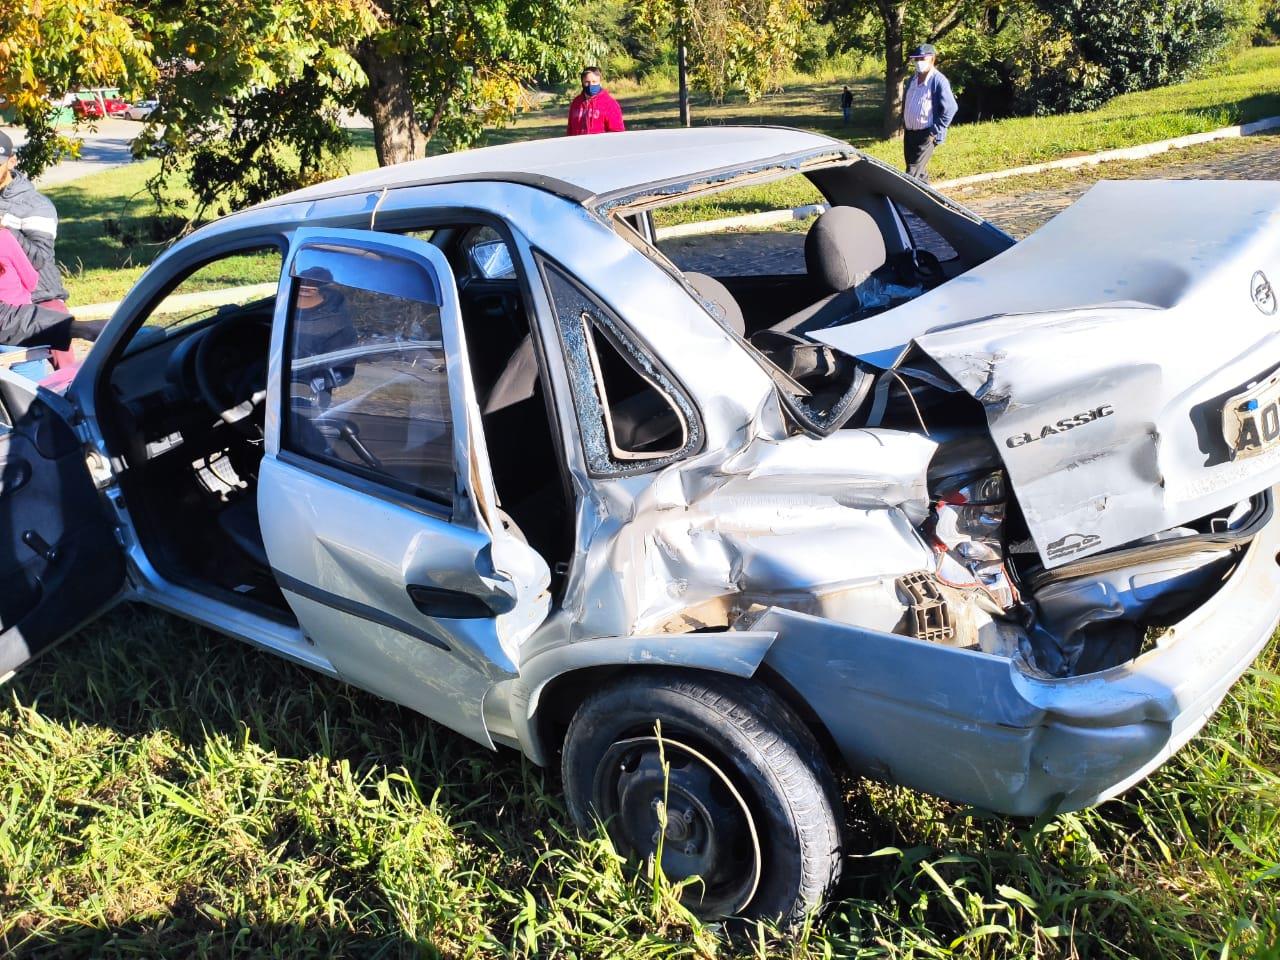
[140, 110]
[992, 520]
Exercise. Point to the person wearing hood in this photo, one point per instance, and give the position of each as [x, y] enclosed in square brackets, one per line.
[928, 107]
[33, 221]
[594, 110]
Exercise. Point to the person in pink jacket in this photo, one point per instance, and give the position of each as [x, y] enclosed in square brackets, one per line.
[18, 278]
[594, 110]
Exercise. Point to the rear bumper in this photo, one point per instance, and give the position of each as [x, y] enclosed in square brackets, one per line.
[976, 729]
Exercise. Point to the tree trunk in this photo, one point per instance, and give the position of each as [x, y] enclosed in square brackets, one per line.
[397, 135]
[682, 63]
[895, 71]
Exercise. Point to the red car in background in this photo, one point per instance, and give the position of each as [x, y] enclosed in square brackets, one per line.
[99, 107]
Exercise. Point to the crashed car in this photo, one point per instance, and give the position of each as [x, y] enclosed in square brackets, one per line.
[992, 520]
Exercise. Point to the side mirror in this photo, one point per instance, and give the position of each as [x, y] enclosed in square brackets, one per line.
[492, 260]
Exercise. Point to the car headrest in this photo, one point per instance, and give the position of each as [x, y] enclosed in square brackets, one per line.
[718, 300]
[843, 247]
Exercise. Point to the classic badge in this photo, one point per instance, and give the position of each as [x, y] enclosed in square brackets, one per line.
[1264, 298]
[1061, 426]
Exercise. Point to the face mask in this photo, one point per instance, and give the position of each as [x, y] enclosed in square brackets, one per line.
[591, 89]
[922, 66]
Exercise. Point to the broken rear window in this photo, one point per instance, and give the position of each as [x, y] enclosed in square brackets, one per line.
[632, 415]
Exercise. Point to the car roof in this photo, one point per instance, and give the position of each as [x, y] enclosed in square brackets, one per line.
[590, 166]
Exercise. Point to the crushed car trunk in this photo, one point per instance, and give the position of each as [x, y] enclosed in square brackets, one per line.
[1124, 356]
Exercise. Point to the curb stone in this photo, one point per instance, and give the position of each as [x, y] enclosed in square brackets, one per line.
[1139, 152]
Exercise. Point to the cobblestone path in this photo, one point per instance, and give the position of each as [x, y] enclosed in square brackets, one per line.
[1018, 205]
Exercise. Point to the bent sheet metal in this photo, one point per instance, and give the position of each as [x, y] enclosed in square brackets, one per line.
[1106, 350]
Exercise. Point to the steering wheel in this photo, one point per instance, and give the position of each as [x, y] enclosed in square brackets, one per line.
[231, 370]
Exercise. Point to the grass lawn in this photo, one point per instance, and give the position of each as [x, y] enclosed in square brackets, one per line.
[1247, 87]
[168, 792]
[164, 791]
[102, 266]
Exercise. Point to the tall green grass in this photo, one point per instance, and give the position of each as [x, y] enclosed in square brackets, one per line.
[167, 792]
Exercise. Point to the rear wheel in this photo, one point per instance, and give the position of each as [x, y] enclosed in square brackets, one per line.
[751, 805]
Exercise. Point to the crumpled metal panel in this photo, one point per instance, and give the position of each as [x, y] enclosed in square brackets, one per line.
[1103, 348]
[795, 519]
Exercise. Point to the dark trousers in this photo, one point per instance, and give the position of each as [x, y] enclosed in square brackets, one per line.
[917, 148]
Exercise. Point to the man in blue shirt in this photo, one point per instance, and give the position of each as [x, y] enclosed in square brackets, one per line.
[928, 107]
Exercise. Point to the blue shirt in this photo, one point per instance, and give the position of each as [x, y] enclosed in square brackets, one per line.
[941, 104]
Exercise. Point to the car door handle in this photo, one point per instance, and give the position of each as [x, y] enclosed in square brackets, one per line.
[455, 604]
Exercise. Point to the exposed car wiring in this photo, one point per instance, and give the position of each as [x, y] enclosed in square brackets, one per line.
[915, 406]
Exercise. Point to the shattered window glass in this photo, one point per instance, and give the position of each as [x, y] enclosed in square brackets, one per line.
[632, 416]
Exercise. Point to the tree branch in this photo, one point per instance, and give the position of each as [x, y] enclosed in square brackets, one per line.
[949, 22]
[437, 115]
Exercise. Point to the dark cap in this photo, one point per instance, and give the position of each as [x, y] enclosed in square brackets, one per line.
[6, 146]
[924, 50]
[314, 275]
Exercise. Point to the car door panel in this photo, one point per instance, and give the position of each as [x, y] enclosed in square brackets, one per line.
[60, 563]
[423, 601]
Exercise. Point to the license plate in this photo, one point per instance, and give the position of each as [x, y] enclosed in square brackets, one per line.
[1251, 420]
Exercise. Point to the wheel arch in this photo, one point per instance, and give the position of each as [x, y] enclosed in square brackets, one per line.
[554, 682]
[552, 685]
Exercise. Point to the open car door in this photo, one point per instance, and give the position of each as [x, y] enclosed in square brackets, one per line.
[375, 496]
[60, 563]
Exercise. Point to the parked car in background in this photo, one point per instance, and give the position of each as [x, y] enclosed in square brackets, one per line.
[98, 103]
[140, 110]
[989, 519]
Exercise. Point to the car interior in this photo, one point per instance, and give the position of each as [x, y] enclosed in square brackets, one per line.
[184, 403]
[185, 409]
[873, 246]
[877, 240]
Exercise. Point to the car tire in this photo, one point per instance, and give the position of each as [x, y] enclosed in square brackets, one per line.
[748, 790]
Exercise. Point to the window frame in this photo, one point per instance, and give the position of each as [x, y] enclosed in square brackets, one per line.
[239, 248]
[628, 343]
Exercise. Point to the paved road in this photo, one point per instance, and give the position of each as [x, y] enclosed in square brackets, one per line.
[107, 146]
[1018, 206]
[102, 148]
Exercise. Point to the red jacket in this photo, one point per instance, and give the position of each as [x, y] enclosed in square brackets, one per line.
[598, 114]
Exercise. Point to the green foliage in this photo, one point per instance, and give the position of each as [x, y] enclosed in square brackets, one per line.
[1092, 50]
[745, 45]
[467, 63]
[48, 47]
[860, 24]
[250, 96]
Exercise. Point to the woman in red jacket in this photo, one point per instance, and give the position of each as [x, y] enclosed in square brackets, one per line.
[593, 110]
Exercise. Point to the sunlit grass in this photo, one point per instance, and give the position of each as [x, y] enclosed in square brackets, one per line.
[166, 791]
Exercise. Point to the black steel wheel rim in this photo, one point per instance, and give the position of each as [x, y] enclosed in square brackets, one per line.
[709, 831]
